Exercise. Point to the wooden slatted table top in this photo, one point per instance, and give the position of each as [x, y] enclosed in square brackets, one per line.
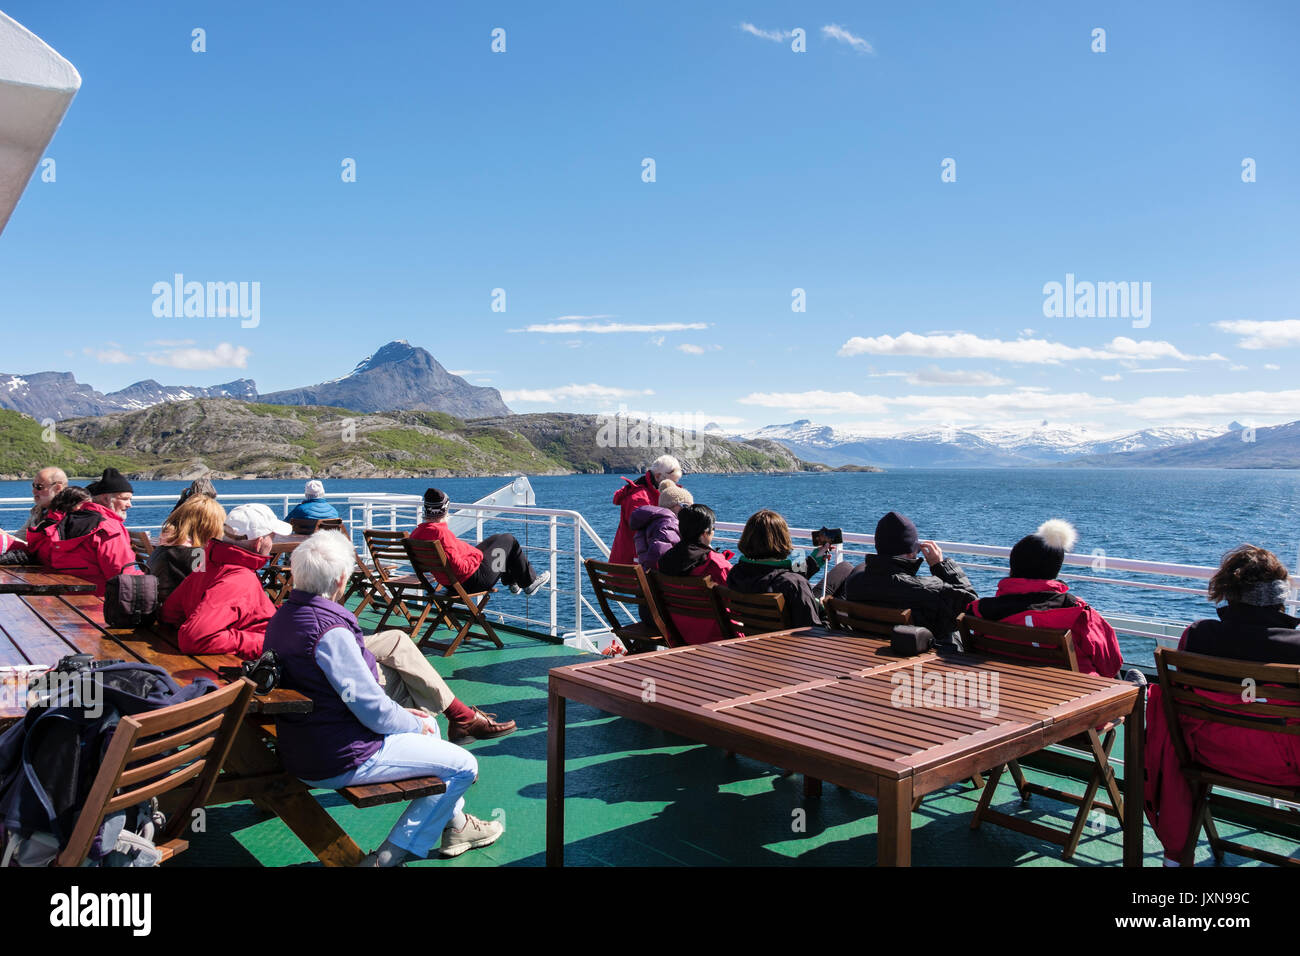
[844, 697]
[41, 629]
[24, 579]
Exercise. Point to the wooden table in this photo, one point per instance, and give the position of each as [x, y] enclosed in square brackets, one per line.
[40, 629]
[827, 704]
[33, 579]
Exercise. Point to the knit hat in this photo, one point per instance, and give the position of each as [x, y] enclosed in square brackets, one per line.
[1039, 556]
[110, 482]
[315, 489]
[435, 501]
[895, 535]
[673, 495]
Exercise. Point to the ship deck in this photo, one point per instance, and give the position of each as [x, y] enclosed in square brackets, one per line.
[642, 797]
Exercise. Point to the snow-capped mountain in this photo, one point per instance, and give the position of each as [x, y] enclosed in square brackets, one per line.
[58, 395]
[970, 446]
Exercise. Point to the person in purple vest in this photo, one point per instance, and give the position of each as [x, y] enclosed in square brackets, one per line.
[355, 733]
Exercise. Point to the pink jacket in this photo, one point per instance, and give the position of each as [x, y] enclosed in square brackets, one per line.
[633, 495]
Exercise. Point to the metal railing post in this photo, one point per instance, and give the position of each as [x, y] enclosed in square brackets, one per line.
[577, 579]
[555, 595]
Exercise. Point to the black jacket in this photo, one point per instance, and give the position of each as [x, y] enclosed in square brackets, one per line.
[801, 604]
[935, 601]
[1245, 632]
[171, 564]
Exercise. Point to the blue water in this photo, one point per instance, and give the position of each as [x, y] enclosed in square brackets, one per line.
[1182, 516]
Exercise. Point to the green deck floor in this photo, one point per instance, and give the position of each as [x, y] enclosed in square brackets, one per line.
[642, 797]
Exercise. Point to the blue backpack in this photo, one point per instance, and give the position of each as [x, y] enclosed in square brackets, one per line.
[48, 761]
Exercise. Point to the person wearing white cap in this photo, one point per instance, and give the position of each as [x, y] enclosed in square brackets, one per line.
[313, 506]
[222, 608]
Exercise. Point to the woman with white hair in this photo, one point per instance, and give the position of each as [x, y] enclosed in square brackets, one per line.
[637, 494]
[313, 506]
[355, 733]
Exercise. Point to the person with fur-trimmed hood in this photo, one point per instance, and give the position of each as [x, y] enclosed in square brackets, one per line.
[637, 494]
[654, 527]
[1032, 597]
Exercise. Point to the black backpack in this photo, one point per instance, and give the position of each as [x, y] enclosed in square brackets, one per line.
[49, 760]
[130, 600]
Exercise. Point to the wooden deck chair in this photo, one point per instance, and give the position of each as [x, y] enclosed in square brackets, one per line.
[1276, 694]
[142, 545]
[362, 581]
[156, 752]
[387, 557]
[312, 525]
[865, 618]
[458, 609]
[749, 614]
[1089, 760]
[277, 574]
[690, 597]
[627, 584]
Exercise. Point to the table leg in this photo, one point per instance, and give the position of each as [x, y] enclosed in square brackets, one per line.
[554, 779]
[894, 822]
[1134, 778]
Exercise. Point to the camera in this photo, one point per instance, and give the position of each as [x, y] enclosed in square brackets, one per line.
[264, 672]
[826, 535]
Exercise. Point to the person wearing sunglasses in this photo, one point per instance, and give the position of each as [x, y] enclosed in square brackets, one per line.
[47, 483]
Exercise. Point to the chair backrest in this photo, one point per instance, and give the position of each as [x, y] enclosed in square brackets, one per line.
[312, 525]
[1016, 644]
[750, 614]
[154, 753]
[386, 550]
[689, 597]
[1257, 696]
[865, 618]
[624, 584]
[428, 558]
[142, 545]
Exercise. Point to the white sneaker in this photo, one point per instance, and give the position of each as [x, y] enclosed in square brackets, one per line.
[538, 583]
[474, 835]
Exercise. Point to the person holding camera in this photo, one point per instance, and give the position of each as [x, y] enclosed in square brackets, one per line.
[889, 578]
[766, 567]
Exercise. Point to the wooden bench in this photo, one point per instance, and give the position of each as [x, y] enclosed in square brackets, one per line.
[399, 791]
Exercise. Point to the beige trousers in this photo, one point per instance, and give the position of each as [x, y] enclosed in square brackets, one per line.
[408, 677]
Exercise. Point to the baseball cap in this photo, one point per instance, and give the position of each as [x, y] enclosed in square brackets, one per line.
[254, 521]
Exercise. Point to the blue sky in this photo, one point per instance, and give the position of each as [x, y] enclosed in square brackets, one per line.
[774, 170]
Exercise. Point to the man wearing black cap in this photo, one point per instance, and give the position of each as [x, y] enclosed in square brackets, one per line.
[112, 491]
[478, 568]
[888, 578]
[92, 541]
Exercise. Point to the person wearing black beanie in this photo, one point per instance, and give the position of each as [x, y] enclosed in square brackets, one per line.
[112, 491]
[1031, 596]
[889, 578]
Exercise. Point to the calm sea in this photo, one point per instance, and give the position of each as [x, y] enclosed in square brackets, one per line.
[1182, 516]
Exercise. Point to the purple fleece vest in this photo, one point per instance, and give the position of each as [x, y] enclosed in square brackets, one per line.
[329, 740]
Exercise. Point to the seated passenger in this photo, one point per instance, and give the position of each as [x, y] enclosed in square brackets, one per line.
[695, 556]
[765, 567]
[635, 494]
[505, 559]
[47, 483]
[42, 535]
[355, 733]
[183, 540]
[199, 486]
[1032, 597]
[313, 506]
[91, 541]
[1253, 626]
[654, 527]
[888, 578]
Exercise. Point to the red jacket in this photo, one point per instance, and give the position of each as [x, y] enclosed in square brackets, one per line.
[633, 495]
[223, 608]
[463, 557]
[42, 535]
[697, 630]
[1036, 603]
[96, 555]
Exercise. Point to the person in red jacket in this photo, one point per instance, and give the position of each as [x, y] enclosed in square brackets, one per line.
[505, 559]
[694, 556]
[1252, 626]
[42, 535]
[1032, 597]
[637, 494]
[221, 607]
[91, 541]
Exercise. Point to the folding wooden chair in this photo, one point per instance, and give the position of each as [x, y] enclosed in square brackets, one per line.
[1048, 648]
[627, 584]
[153, 753]
[748, 614]
[142, 546]
[312, 525]
[362, 581]
[277, 574]
[388, 556]
[865, 618]
[458, 609]
[690, 597]
[1185, 681]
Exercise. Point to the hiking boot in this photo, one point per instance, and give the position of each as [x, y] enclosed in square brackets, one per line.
[473, 835]
[538, 583]
[480, 727]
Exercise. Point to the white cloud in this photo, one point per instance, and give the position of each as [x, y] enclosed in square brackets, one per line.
[111, 354]
[938, 376]
[656, 340]
[1026, 351]
[171, 343]
[836, 32]
[774, 35]
[1271, 367]
[467, 372]
[690, 349]
[1148, 371]
[1263, 335]
[565, 393]
[224, 355]
[1112, 378]
[564, 327]
[820, 402]
[1222, 406]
